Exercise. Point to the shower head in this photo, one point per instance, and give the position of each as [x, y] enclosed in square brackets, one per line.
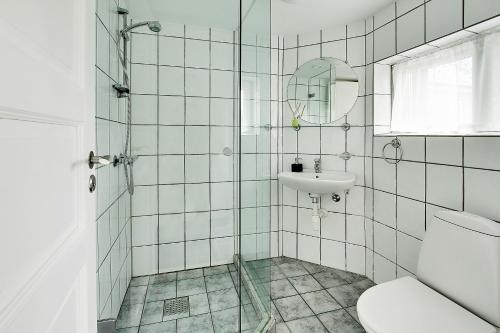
[154, 26]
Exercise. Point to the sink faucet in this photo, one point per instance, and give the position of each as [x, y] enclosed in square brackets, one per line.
[317, 165]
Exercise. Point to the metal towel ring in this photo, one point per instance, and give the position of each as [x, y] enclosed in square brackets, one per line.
[396, 144]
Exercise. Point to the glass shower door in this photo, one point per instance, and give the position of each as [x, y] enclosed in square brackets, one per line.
[255, 164]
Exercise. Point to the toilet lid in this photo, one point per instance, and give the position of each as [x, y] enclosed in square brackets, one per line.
[407, 305]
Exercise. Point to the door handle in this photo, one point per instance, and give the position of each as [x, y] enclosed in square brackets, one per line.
[99, 160]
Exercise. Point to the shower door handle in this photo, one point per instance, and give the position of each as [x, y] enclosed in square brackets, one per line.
[99, 160]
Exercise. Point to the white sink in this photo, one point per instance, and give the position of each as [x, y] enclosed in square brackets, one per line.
[318, 183]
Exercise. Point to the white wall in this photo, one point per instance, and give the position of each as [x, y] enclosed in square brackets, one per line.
[457, 173]
[182, 115]
[340, 243]
[113, 201]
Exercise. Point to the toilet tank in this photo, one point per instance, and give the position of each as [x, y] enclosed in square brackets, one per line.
[460, 258]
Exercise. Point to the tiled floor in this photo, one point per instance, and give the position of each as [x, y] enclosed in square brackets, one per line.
[306, 298]
[213, 300]
[310, 298]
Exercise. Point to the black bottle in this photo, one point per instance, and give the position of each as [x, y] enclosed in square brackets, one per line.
[297, 166]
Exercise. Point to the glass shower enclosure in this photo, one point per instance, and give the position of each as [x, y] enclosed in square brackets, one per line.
[194, 132]
[254, 158]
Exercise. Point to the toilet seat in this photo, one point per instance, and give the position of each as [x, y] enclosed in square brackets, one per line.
[406, 305]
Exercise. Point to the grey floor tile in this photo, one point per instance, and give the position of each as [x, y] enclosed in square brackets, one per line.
[198, 304]
[226, 321]
[329, 278]
[291, 269]
[276, 313]
[218, 282]
[307, 325]
[161, 291]
[190, 274]
[129, 316]
[281, 328]
[162, 278]
[276, 274]
[153, 313]
[263, 274]
[282, 260]
[231, 267]
[305, 283]
[282, 288]
[346, 295]
[135, 295]
[321, 301]
[139, 281]
[190, 287]
[163, 327]
[235, 276]
[312, 268]
[354, 313]
[223, 299]
[261, 263]
[350, 277]
[340, 321]
[215, 270]
[293, 307]
[127, 330]
[198, 324]
[251, 317]
[363, 285]
[245, 298]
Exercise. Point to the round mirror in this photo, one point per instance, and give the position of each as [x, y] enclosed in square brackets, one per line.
[322, 90]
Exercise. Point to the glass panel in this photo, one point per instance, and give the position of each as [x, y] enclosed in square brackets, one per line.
[255, 162]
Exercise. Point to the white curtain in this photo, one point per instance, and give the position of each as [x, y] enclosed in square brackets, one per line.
[453, 90]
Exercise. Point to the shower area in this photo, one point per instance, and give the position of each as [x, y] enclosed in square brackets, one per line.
[184, 206]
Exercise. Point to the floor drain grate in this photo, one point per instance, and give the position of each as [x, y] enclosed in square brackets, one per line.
[176, 306]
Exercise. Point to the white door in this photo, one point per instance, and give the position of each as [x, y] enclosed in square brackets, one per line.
[47, 233]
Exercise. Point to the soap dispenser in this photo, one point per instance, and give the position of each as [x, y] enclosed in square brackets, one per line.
[297, 166]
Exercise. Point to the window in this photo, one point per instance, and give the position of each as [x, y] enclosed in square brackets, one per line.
[452, 90]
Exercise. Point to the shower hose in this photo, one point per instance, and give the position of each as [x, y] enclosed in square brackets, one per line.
[125, 158]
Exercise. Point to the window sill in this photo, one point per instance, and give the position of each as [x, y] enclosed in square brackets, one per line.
[403, 134]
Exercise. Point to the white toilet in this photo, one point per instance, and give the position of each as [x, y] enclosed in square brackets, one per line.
[458, 286]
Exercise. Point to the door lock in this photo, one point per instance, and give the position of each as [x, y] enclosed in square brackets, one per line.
[92, 183]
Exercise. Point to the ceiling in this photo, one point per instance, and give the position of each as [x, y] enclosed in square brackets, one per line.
[288, 16]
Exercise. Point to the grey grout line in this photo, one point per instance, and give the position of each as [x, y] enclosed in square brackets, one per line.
[210, 145]
[158, 148]
[184, 134]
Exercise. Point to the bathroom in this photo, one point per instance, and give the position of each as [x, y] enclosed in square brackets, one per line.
[228, 189]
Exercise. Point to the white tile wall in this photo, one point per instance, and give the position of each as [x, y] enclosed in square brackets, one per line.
[474, 13]
[113, 202]
[444, 186]
[342, 233]
[437, 173]
[411, 31]
[435, 11]
[183, 202]
[384, 40]
[404, 6]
